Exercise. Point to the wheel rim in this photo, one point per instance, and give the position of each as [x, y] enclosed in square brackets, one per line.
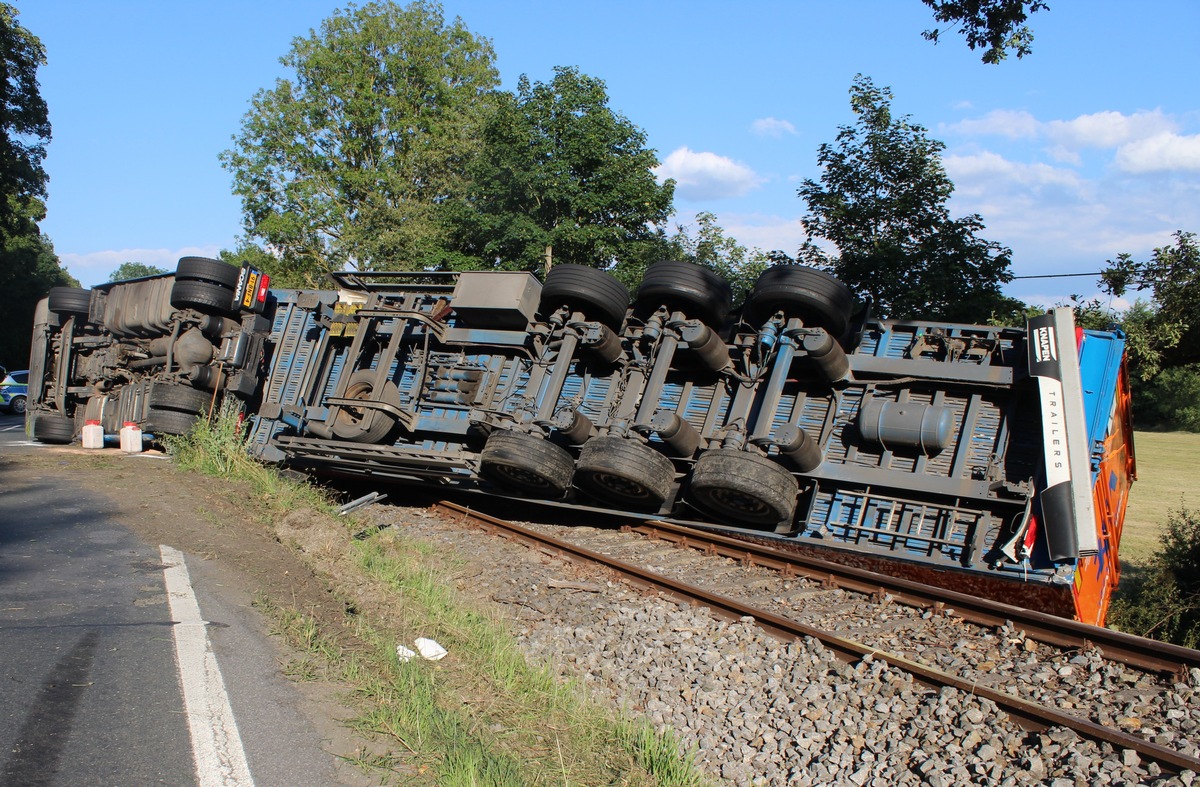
[355, 416]
[521, 477]
[736, 503]
[18, 405]
[618, 485]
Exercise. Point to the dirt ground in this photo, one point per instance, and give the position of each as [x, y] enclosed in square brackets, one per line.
[215, 520]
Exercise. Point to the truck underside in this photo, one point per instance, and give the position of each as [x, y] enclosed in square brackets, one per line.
[987, 459]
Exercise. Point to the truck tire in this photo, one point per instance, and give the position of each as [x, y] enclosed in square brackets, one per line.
[589, 290]
[203, 297]
[817, 298]
[624, 473]
[743, 487]
[52, 428]
[367, 424]
[526, 464]
[174, 422]
[208, 270]
[205, 285]
[684, 286]
[183, 398]
[69, 300]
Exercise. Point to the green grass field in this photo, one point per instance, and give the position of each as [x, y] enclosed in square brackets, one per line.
[1168, 464]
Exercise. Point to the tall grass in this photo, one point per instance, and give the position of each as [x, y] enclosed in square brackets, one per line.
[484, 715]
[216, 446]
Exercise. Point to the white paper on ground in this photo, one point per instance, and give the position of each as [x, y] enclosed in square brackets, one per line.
[430, 649]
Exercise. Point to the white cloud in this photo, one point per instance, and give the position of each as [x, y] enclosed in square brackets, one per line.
[706, 176]
[1108, 129]
[1163, 152]
[772, 127]
[1014, 124]
[94, 267]
[1104, 130]
[981, 171]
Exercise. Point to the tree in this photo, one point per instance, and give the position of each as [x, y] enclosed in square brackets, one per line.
[28, 269]
[1163, 335]
[348, 163]
[1172, 275]
[24, 121]
[563, 178]
[995, 25]
[28, 264]
[712, 249]
[134, 270]
[882, 201]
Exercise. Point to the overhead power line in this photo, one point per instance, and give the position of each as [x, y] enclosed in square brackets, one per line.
[1057, 275]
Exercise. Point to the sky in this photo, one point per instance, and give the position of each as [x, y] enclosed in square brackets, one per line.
[1087, 148]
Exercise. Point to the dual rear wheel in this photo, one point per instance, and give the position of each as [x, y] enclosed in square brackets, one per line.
[625, 474]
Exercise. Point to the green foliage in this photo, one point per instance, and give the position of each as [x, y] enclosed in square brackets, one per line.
[1172, 275]
[997, 26]
[28, 269]
[284, 271]
[1169, 401]
[24, 122]
[134, 270]
[562, 178]
[712, 249]
[348, 163]
[1164, 602]
[28, 264]
[217, 447]
[1163, 335]
[882, 200]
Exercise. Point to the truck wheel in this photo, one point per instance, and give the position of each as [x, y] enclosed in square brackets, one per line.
[53, 428]
[684, 286]
[589, 290]
[526, 464]
[69, 300]
[159, 422]
[744, 487]
[202, 296]
[183, 398]
[208, 270]
[624, 473]
[814, 296]
[205, 285]
[366, 424]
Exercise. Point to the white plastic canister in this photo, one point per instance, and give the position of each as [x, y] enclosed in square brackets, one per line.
[131, 438]
[93, 435]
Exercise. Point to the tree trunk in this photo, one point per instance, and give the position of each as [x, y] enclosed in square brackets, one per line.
[549, 259]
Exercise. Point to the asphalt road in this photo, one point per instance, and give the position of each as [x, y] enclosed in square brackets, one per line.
[90, 689]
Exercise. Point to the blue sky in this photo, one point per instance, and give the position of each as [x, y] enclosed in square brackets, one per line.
[1087, 148]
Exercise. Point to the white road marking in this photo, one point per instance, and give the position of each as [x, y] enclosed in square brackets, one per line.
[216, 746]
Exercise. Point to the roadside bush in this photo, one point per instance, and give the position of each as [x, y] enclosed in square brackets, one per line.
[1170, 400]
[1163, 602]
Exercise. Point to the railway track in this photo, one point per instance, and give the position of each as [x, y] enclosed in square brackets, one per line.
[811, 578]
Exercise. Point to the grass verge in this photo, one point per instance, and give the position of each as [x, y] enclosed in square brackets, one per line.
[1166, 469]
[482, 716]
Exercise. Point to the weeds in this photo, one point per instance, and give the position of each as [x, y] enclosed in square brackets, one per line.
[1163, 600]
[217, 447]
[484, 715]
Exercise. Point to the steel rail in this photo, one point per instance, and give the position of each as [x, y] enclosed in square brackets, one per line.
[1027, 714]
[1145, 654]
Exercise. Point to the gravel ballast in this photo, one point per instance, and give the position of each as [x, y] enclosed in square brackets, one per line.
[758, 711]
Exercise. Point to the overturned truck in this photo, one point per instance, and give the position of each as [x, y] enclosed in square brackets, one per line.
[985, 459]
